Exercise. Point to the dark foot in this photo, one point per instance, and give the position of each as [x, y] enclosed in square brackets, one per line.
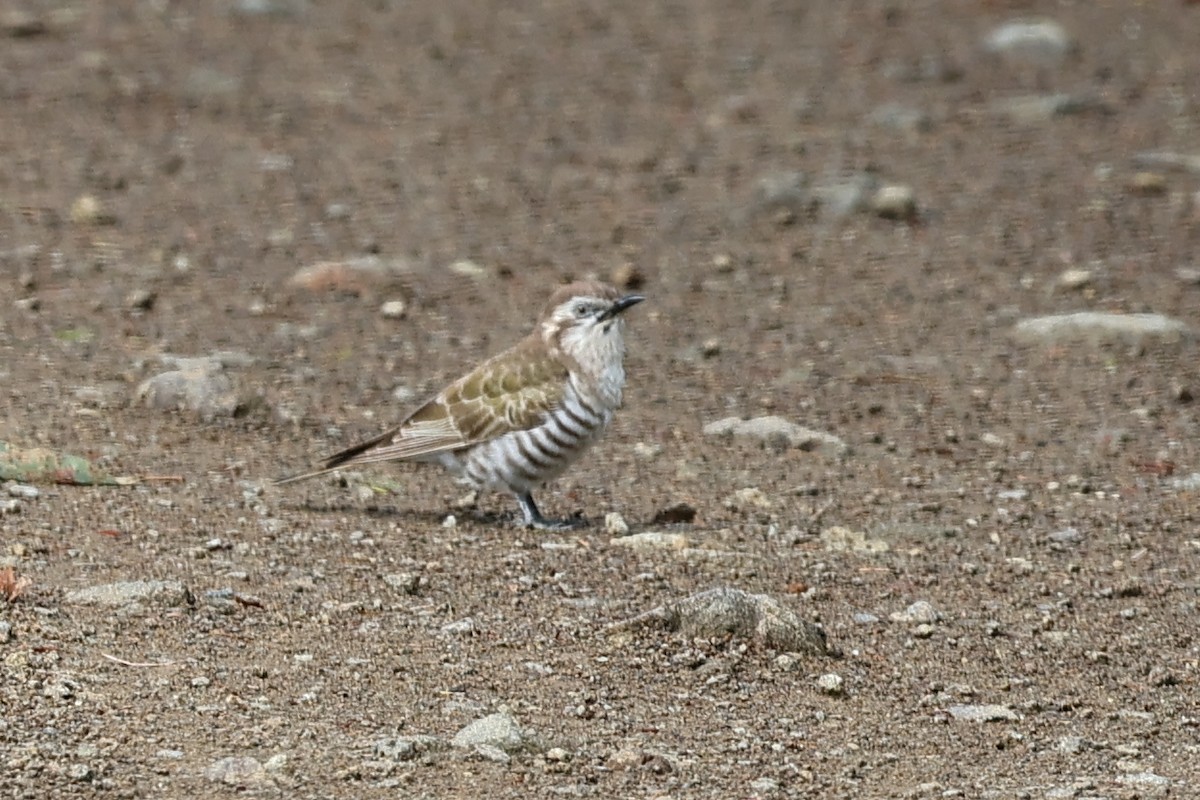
[534, 519]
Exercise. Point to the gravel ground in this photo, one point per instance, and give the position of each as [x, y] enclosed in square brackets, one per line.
[917, 365]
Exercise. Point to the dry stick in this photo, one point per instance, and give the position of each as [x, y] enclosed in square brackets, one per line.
[125, 663]
[161, 478]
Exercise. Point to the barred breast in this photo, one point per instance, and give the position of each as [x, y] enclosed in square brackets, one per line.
[524, 460]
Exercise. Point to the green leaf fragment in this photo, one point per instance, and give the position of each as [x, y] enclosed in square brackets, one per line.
[41, 465]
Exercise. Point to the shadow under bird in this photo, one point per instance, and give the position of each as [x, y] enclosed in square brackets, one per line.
[522, 417]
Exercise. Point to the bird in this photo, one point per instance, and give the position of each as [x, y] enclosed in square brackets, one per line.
[522, 417]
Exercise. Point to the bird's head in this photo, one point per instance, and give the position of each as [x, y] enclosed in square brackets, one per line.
[585, 320]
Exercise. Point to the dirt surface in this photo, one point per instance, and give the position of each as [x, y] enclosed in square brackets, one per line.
[165, 169]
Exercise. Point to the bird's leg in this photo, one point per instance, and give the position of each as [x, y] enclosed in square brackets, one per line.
[534, 519]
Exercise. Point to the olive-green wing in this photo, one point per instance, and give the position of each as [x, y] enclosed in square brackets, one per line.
[514, 391]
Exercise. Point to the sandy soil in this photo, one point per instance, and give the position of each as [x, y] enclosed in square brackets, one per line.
[165, 169]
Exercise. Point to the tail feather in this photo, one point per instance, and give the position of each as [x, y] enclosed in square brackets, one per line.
[338, 460]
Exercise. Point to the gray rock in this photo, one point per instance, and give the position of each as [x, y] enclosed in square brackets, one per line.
[897, 117]
[894, 201]
[80, 772]
[468, 268]
[652, 539]
[840, 540]
[460, 627]
[1066, 536]
[1073, 744]
[269, 8]
[243, 772]
[202, 388]
[23, 490]
[227, 359]
[725, 611]
[777, 432]
[495, 730]
[1035, 108]
[5, 632]
[920, 612]
[1146, 780]
[1095, 327]
[786, 192]
[1188, 275]
[492, 753]
[158, 593]
[393, 309]
[1162, 159]
[406, 582]
[405, 748]
[831, 683]
[761, 786]
[837, 200]
[351, 275]
[140, 299]
[207, 84]
[983, 713]
[1188, 483]
[1041, 42]
[1076, 278]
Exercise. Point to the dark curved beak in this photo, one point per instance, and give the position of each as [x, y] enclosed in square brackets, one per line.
[628, 301]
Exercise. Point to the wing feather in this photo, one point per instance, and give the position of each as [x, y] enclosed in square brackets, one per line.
[513, 391]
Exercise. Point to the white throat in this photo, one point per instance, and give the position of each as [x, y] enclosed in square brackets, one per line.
[599, 349]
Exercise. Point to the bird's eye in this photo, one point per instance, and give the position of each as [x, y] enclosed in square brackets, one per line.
[581, 310]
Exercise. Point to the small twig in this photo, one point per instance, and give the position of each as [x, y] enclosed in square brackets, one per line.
[161, 478]
[125, 663]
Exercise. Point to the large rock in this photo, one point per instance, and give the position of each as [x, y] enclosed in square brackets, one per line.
[202, 386]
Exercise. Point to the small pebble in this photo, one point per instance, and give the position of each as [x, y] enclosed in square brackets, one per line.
[831, 683]
[615, 524]
[1075, 278]
[920, 612]
[140, 300]
[894, 202]
[394, 309]
[1148, 184]
[628, 276]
